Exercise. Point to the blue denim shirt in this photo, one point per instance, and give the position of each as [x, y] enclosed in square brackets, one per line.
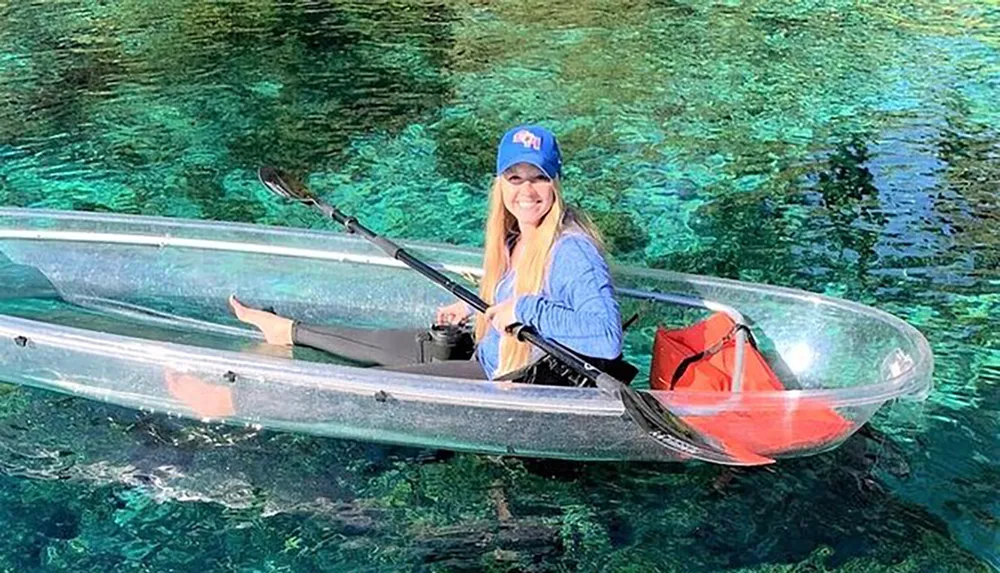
[576, 306]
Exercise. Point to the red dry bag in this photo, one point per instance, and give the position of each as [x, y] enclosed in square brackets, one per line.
[697, 363]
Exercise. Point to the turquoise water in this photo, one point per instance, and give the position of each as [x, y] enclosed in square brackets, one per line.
[829, 145]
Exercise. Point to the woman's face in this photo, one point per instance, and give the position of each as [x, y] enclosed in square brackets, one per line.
[528, 194]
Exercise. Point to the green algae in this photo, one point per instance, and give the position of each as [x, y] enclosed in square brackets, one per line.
[466, 512]
[411, 497]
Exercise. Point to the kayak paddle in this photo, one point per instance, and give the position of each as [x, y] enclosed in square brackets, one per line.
[660, 424]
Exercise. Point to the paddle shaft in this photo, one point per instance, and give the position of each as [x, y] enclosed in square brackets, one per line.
[600, 378]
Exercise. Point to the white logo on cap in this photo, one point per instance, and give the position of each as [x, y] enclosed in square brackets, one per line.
[528, 139]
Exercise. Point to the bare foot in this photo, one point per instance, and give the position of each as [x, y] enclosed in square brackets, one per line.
[276, 329]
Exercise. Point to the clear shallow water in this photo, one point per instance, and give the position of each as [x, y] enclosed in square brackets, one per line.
[832, 146]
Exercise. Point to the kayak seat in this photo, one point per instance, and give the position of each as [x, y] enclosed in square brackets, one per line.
[702, 357]
[697, 364]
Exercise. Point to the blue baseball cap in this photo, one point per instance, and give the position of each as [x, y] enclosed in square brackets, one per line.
[530, 144]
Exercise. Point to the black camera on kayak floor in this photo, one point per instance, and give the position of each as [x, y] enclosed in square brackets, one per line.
[446, 342]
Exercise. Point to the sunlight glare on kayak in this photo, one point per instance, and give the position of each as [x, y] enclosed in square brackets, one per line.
[800, 357]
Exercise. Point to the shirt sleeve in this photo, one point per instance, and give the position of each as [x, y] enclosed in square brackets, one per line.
[579, 308]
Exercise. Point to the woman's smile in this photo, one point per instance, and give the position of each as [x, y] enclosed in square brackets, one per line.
[528, 202]
[528, 193]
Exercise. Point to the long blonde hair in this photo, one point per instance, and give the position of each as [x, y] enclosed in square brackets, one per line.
[532, 269]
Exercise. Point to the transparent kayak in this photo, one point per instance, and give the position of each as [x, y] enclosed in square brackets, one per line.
[117, 308]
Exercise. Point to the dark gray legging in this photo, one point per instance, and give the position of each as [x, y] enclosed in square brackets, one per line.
[395, 350]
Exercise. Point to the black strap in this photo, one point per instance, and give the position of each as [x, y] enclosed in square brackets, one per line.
[629, 322]
[688, 361]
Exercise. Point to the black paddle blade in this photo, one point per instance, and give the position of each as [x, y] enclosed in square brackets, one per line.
[667, 429]
[284, 185]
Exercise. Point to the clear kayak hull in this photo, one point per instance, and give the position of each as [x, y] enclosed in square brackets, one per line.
[117, 308]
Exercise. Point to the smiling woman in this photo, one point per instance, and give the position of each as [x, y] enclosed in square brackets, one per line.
[543, 268]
